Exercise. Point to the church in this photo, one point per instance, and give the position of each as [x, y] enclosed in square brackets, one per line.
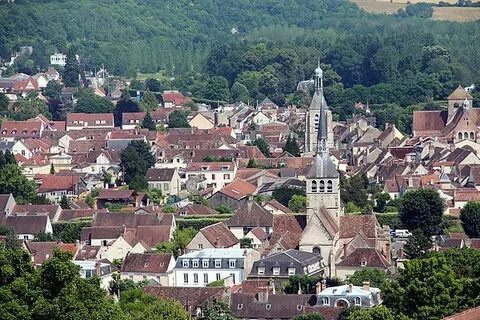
[345, 242]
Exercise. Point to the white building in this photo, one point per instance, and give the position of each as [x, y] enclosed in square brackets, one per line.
[58, 59]
[198, 268]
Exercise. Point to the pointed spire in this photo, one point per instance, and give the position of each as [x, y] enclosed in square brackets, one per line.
[322, 138]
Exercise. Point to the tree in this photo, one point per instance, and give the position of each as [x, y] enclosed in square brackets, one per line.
[418, 245]
[125, 104]
[382, 200]
[306, 284]
[375, 313]
[246, 243]
[148, 123]
[181, 238]
[52, 169]
[136, 159]
[216, 310]
[30, 107]
[4, 102]
[354, 190]
[251, 163]
[140, 306]
[239, 92]
[291, 146]
[155, 196]
[53, 89]
[285, 194]
[13, 181]
[71, 71]
[310, 316]
[216, 89]
[148, 101]
[153, 85]
[178, 119]
[470, 217]
[138, 183]
[297, 203]
[376, 277]
[422, 209]
[89, 102]
[262, 145]
[65, 203]
[426, 289]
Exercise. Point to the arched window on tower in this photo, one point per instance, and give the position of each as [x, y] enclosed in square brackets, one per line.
[329, 186]
[316, 250]
[460, 136]
[472, 136]
[322, 186]
[465, 136]
[314, 186]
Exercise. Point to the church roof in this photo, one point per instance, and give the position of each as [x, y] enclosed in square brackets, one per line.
[460, 94]
[323, 167]
[328, 222]
[316, 102]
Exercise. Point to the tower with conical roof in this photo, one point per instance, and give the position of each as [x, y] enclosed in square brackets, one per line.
[313, 116]
[322, 190]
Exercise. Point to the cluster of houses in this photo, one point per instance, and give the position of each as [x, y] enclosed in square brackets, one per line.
[246, 257]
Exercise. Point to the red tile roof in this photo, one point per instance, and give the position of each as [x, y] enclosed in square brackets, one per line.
[427, 122]
[107, 194]
[470, 314]
[351, 225]
[50, 183]
[219, 235]
[21, 129]
[250, 215]
[177, 98]
[365, 257]
[466, 194]
[90, 120]
[146, 263]
[238, 189]
[42, 251]
[460, 94]
[277, 205]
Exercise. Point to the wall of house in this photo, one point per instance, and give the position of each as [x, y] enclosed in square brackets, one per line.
[199, 242]
[20, 148]
[118, 250]
[215, 179]
[200, 122]
[239, 276]
[162, 278]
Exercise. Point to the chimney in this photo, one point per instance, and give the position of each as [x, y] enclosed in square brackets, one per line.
[318, 287]
[366, 285]
[262, 294]
[388, 252]
[272, 285]
[345, 250]
[97, 268]
[350, 288]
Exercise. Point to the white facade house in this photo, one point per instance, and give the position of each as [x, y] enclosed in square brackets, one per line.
[58, 59]
[199, 268]
[217, 174]
[89, 269]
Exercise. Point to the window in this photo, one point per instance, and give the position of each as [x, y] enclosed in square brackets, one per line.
[195, 263]
[316, 250]
[299, 307]
[158, 279]
[185, 263]
[104, 243]
[213, 176]
[195, 278]
[291, 271]
[329, 186]
[144, 278]
[268, 306]
[200, 246]
[276, 271]
[23, 152]
[322, 186]
[185, 278]
[119, 250]
[217, 276]
[231, 264]
[205, 263]
[325, 301]
[240, 306]
[218, 264]
[358, 301]
[233, 277]
[314, 186]
[205, 278]
[364, 263]
[166, 186]
[226, 176]
[261, 270]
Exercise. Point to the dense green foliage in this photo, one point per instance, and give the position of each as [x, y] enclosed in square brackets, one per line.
[292, 147]
[297, 203]
[470, 217]
[69, 231]
[216, 310]
[136, 159]
[285, 194]
[418, 245]
[376, 277]
[89, 102]
[71, 72]
[148, 123]
[178, 119]
[422, 209]
[311, 316]
[262, 145]
[181, 238]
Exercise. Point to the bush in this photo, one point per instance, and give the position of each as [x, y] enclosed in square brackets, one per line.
[70, 231]
[196, 224]
[389, 219]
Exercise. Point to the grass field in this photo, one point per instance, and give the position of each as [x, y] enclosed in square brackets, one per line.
[439, 13]
[456, 14]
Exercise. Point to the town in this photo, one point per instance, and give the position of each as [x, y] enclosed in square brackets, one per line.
[239, 160]
[229, 204]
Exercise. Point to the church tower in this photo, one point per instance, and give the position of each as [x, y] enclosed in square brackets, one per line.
[323, 183]
[313, 116]
[322, 190]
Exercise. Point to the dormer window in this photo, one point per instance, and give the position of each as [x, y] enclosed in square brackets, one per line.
[291, 271]
[194, 263]
[261, 271]
[364, 263]
[185, 263]
[240, 306]
[268, 306]
[224, 168]
[358, 301]
[14, 131]
[325, 301]
[299, 307]
[24, 132]
[204, 168]
[276, 271]
[231, 263]
[4, 132]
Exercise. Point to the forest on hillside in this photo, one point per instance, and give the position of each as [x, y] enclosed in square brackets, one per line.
[252, 49]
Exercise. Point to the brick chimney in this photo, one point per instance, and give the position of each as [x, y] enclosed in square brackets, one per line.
[318, 287]
[345, 250]
[262, 295]
[98, 270]
[388, 252]
[350, 288]
[366, 285]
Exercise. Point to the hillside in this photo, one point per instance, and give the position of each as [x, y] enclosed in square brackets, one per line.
[148, 34]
